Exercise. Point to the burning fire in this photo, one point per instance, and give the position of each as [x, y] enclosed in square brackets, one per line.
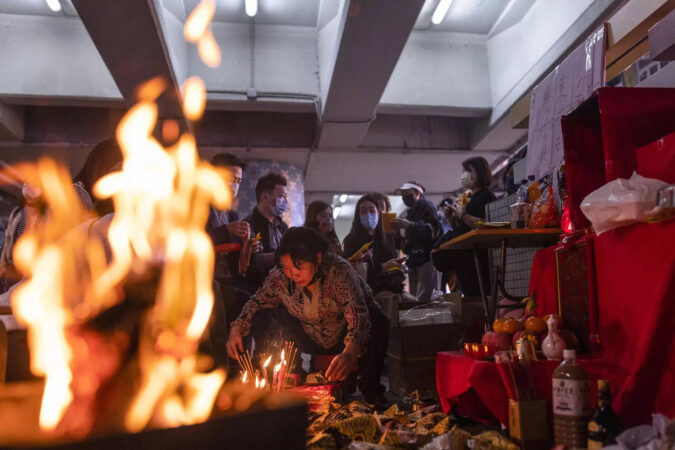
[198, 31]
[161, 197]
[46, 303]
[280, 372]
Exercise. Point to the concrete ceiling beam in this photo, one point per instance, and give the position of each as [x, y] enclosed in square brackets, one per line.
[12, 122]
[128, 35]
[78, 125]
[373, 35]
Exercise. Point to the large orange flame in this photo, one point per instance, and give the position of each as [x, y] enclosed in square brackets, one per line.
[52, 290]
[161, 197]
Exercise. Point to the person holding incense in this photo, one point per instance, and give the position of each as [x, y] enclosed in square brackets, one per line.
[324, 307]
[383, 265]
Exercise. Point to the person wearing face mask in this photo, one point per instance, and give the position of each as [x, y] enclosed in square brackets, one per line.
[476, 177]
[323, 307]
[419, 229]
[382, 258]
[319, 217]
[224, 226]
[271, 194]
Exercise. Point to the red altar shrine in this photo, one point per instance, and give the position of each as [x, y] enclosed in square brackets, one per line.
[632, 271]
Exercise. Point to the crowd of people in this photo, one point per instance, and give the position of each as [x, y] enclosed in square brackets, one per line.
[302, 284]
[321, 293]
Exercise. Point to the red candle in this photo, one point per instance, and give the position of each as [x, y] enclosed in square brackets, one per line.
[467, 350]
[477, 350]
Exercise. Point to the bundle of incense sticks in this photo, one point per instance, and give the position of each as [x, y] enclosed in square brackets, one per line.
[515, 373]
[244, 360]
[288, 363]
[282, 371]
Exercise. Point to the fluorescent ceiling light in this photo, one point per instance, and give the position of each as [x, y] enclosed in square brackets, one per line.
[336, 212]
[441, 11]
[343, 198]
[251, 7]
[54, 5]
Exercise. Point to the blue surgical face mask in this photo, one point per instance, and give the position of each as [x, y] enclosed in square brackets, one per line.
[280, 206]
[368, 220]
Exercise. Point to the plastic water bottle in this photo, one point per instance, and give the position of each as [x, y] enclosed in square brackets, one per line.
[571, 403]
[520, 211]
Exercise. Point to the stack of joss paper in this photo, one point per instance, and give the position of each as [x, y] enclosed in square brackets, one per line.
[357, 426]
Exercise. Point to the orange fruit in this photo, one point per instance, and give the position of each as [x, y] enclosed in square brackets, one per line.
[512, 326]
[535, 325]
[498, 325]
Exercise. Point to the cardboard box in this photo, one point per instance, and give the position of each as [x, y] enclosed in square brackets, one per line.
[528, 424]
[409, 374]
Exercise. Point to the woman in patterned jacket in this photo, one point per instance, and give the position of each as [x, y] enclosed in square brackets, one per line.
[324, 307]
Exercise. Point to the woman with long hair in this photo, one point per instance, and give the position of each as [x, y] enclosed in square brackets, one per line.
[383, 264]
[319, 217]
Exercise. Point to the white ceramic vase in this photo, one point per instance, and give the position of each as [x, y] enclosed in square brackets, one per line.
[554, 344]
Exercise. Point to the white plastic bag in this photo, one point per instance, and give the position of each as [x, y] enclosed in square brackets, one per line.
[621, 202]
[427, 314]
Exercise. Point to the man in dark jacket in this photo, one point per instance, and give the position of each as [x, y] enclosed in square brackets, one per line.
[224, 227]
[419, 228]
[272, 200]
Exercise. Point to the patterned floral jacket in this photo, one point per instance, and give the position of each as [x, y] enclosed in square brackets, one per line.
[343, 298]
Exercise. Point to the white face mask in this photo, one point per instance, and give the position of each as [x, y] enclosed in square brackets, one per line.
[468, 179]
[235, 189]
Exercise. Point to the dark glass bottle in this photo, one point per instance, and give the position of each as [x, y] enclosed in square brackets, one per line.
[604, 425]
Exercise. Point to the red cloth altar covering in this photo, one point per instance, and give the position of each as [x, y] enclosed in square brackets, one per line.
[613, 133]
[635, 273]
[477, 389]
[657, 159]
[601, 136]
[635, 276]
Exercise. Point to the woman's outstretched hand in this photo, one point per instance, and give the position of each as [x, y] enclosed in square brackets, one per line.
[341, 366]
[234, 345]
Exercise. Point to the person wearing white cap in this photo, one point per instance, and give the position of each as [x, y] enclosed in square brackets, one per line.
[419, 229]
